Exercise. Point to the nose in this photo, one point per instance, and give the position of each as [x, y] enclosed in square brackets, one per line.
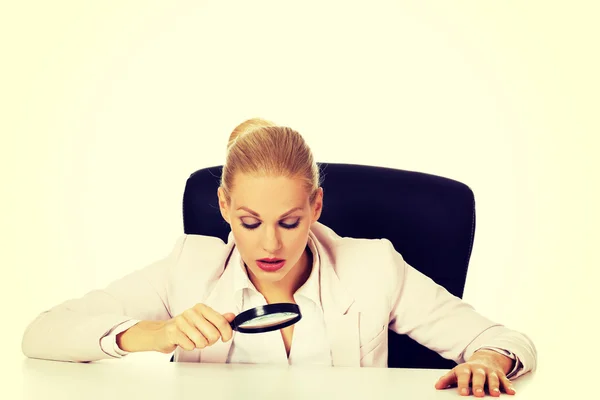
[271, 241]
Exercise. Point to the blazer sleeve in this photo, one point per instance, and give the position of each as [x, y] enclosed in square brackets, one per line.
[73, 330]
[444, 323]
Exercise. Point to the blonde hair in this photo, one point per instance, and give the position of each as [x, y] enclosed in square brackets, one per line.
[258, 147]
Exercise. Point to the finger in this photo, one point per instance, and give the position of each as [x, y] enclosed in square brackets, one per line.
[229, 317]
[220, 322]
[183, 341]
[493, 384]
[210, 332]
[192, 332]
[201, 324]
[463, 375]
[507, 385]
[478, 381]
[446, 380]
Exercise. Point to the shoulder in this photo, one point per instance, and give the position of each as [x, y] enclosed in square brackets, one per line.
[344, 249]
[368, 263]
[362, 262]
[198, 259]
[200, 247]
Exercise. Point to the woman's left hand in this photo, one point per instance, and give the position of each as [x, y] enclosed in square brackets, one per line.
[485, 366]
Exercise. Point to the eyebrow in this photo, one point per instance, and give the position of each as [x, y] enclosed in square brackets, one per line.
[258, 215]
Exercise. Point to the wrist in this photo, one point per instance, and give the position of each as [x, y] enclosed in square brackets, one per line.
[505, 363]
[139, 337]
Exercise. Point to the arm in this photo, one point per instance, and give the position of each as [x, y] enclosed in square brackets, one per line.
[73, 330]
[430, 315]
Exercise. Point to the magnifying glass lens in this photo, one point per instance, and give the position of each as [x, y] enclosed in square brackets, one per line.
[267, 318]
[265, 321]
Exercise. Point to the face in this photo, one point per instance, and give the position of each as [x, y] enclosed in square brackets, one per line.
[270, 218]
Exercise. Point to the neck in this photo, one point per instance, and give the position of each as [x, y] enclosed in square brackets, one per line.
[285, 288]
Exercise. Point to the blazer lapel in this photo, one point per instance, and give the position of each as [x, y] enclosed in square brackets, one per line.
[341, 322]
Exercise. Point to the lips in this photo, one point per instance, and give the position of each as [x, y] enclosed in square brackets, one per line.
[270, 264]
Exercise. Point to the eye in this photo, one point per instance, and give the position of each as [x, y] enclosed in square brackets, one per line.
[250, 227]
[290, 226]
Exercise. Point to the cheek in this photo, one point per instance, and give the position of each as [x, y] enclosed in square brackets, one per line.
[296, 240]
[244, 239]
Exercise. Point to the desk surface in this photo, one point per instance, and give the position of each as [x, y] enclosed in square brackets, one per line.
[121, 380]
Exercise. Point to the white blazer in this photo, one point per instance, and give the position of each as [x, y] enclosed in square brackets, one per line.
[366, 288]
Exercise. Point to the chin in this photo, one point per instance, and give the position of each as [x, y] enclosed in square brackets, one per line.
[277, 275]
[270, 276]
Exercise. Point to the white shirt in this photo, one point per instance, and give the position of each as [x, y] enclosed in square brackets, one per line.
[309, 341]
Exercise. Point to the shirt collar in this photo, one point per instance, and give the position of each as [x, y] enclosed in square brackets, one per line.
[310, 289]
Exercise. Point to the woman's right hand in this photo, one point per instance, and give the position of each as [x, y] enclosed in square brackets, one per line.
[195, 328]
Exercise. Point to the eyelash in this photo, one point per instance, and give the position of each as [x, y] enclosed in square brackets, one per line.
[285, 226]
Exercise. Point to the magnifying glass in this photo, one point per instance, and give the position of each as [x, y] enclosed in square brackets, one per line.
[267, 318]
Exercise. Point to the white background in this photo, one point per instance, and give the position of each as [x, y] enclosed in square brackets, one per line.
[107, 107]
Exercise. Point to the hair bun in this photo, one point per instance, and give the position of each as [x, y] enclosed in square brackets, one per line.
[246, 127]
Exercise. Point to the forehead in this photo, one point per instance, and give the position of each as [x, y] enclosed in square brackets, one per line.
[268, 194]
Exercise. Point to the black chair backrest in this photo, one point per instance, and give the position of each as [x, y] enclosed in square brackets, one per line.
[429, 219]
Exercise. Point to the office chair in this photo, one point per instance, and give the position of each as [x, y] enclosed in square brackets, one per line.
[429, 219]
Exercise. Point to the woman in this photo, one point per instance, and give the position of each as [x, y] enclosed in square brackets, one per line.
[278, 252]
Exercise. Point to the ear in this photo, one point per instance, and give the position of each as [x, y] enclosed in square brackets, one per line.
[318, 205]
[223, 207]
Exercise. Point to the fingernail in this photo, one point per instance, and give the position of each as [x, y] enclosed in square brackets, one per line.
[479, 390]
[496, 390]
[465, 391]
[512, 388]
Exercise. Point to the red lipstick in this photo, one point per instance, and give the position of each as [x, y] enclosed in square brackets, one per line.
[270, 264]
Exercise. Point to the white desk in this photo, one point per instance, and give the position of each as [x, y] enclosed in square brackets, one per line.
[115, 379]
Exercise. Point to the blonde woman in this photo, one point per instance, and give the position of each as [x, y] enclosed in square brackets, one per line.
[278, 252]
